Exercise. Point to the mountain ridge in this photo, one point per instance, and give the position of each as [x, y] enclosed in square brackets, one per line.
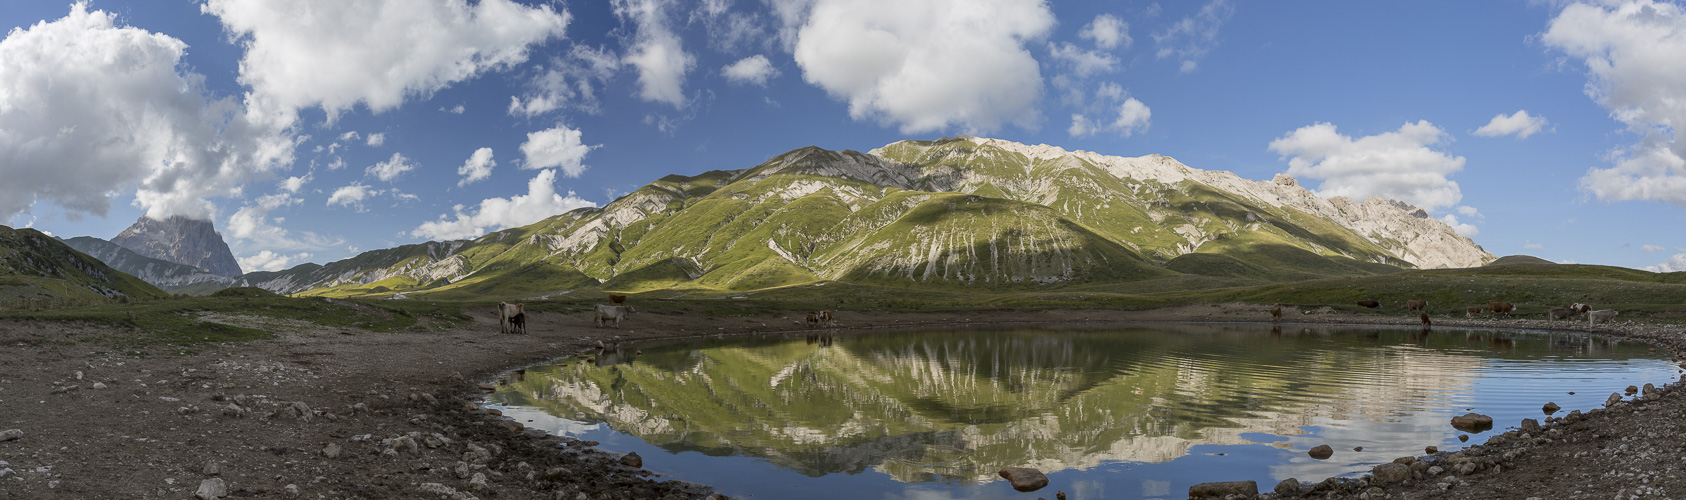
[911, 212]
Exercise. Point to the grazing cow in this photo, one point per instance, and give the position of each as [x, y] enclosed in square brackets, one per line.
[1557, 313]
[604, 313]
[618, 299]
[1580, 308]
[1501, 308]
[1426, 322]
[1600, 316]
[813, 319]
[518, 323]
[825, 318]
[1276, 312]
[1369, 303]
[508, 311]
[1470, 312]
[1416, 305]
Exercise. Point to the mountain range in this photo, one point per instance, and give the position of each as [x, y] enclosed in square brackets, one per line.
[960, 211]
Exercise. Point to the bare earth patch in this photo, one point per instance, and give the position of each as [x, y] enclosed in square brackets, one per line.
[347, 413]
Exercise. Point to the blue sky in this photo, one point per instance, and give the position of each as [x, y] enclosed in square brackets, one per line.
[312, 130]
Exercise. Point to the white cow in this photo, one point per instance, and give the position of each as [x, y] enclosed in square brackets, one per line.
[604, 313]
[1600, 316]
[512, 318]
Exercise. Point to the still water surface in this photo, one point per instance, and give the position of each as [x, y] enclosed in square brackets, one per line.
[1126, 413]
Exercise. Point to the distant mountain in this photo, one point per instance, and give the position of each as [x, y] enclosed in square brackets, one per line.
[960, 211]
[170, 276]
[34, 265]
[180, 240]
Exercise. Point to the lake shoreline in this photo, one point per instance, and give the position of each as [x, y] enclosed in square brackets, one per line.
[406, 423]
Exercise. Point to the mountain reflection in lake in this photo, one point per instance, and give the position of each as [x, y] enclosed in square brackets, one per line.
[1107, 414]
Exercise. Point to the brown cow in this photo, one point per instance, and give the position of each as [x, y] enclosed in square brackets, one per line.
[1416, 305]
[1501, 308]
[1426, 322]
[1276, 312]
[618, 299]
[825, 318]
[1470, 312]
[1369, 303]
[813, 319]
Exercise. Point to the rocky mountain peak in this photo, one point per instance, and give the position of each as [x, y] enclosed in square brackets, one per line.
[180, 240]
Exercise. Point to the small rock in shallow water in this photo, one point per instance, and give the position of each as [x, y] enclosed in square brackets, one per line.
[1358, 448]
[1473, 422]
[1288, 488]
[1613, 399]
[1463, 438]
[1432, 449]
[1223, 489]
[1321, 452]
[632, 460]
[1024, 478]
[1530, 426]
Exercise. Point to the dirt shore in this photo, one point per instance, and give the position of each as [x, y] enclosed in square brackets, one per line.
[344, 413]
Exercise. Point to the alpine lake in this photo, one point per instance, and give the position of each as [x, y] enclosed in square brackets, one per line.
[1125, 412]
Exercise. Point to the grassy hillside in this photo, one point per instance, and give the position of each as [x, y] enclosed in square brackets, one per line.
[36, 266]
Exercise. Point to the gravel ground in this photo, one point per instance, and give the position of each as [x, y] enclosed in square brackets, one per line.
[345, 413]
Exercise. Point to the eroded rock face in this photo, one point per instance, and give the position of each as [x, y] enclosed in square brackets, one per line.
[180, 240]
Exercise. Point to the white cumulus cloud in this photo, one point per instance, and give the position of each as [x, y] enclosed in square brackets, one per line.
[558, 147]
[540, 202]
[293, 184]
[1082, 62]
[924, 65]
[755, 70]
[478, 167]
[271, 261]
[90, 108]
[1465, 230]
[567, 82]
[1519, 123]
[1675, 263]
[1108, 32]
[352, 195]
[391, 168]
[1399, 165]
[1632, 51]
[376, 139]
[337, 54]
[656, 51]
[1192, 37]
[1125, 116]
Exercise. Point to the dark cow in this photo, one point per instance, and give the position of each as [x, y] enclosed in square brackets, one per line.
[1276, 312]
[1369, 303]
[1504, 308]
[1426, 322]
[1471, 311]
[518, 323]
[618, 299]
[507, 312]
[1416, 305]
[813, 319]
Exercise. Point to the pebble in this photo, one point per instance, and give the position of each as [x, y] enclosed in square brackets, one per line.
[11, 435]
[1613, 399]
[462, 470]
[290, 491]
[1431, 449]
[212, 468]
[332, 450]
[478, 482]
